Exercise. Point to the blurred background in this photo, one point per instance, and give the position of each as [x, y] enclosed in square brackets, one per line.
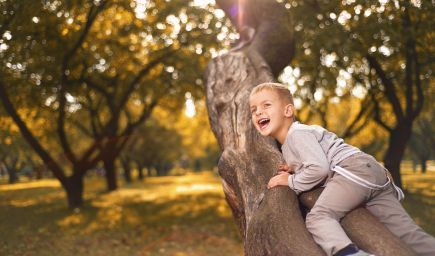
[105, 144]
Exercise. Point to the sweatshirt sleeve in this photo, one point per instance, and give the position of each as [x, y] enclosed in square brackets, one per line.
[315, 166]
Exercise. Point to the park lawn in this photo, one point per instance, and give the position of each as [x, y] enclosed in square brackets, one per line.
[176, 215]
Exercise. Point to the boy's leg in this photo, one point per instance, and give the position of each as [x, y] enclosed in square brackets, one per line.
[338, 198]
[385, 206]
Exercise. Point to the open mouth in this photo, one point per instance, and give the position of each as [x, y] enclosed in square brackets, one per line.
[263, 122]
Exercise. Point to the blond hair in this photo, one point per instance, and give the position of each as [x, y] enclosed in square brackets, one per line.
[282, 90]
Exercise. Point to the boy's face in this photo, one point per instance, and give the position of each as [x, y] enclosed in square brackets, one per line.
[268, 112]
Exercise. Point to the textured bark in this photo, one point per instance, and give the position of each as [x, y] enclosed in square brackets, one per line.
[399, 138]
[74, 190]
[139, 167]
[127, 169]
[111, 178]
[270, 221]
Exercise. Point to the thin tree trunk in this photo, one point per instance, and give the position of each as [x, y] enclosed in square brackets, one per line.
[38, 172]
[139, 167]
[13, 175]
[423, 162]
[127, 170]
[12, 170]
[111, 179]
[149, 170]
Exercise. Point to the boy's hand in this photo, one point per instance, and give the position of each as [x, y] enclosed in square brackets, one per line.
[285, 168]
[281, 179]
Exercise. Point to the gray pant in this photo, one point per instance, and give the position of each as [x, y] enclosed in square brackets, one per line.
[342, 195]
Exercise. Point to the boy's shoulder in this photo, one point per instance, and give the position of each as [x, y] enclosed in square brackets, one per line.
[297, 128]
[298, 132]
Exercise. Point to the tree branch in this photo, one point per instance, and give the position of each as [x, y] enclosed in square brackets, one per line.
[420, 95]
[91, 16]
[377, 116]
[30, 138]
[409, 59]
[141, 74]
[365, 111]
[259, 19]
[389, 87]
[145, 115]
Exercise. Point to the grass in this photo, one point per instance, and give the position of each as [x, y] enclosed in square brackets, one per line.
[177, 215]
[420, 198]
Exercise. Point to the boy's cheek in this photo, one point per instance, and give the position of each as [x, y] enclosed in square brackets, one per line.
[253, 123]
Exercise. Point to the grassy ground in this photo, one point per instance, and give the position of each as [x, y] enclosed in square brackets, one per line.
[179, 215]
[183, 215]
[420, 198]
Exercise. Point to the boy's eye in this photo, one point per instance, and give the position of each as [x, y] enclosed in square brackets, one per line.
[267, 104]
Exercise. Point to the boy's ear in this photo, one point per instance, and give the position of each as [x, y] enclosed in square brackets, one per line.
[289, 111]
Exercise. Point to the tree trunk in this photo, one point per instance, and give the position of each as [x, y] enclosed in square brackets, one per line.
[269, 221]
[267, 225]
[13, 175]
[74, 191]
[38, 172]
[111, 179]
[399, 138]
[139, 167]
[12, 170]
[127, 170]
[149, 170]
[423, 162]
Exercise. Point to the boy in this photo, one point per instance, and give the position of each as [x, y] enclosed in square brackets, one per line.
[351, 177]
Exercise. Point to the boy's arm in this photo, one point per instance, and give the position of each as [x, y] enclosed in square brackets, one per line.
[315, 166]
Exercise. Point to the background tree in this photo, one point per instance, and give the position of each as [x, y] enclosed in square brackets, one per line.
[155, 147]
[200, 147]
[380, 52]
[15, 154]
[98, 69]
[421, 146]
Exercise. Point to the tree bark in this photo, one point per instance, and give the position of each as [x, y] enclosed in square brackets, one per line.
[399, 138]
[127, 170]
[267, 225]
[269, 221]
[423, 162]
[109, 166]
[74, 190]
[13, 175]
[139, 167]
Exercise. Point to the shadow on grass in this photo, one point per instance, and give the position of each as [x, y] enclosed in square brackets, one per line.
[185, 215]
[35, 221]
[422, 210]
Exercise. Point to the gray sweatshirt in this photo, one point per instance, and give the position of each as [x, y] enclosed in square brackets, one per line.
[313, 152]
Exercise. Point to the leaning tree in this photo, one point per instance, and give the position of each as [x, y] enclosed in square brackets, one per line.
[270, 221]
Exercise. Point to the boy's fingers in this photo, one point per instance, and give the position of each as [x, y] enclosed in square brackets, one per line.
[271, 183]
